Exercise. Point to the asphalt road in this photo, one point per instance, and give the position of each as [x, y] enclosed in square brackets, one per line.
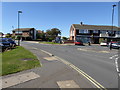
[93, 62]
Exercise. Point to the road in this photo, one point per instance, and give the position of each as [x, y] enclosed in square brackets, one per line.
[93, 60]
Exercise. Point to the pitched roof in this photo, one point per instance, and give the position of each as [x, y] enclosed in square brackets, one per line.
[97, 27]
[23, 29]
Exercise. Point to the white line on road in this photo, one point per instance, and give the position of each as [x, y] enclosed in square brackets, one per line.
[113, 56]
[116, 64]
[45, 52]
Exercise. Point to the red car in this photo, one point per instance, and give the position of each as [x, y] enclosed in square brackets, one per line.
[78, 43]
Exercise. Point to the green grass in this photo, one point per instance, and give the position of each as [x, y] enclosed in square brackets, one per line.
[12, 61]
[49, 43]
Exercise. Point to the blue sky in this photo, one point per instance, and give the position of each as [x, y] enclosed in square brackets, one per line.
[119, 14]
[47, 15]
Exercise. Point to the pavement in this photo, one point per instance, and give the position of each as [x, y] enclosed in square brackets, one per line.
[53, 74]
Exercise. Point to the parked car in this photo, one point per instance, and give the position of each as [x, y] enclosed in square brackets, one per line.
[78, 43]
[4, 44]
[115, 45]
[103, 43]
[2, 47]
[11, 41]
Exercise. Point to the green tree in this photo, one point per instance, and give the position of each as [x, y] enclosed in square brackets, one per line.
[41, 36]
[64, 38]
[8, 35]
[53, 33]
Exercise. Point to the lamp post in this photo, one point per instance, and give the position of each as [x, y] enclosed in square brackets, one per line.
[113, 16]
[19, 26]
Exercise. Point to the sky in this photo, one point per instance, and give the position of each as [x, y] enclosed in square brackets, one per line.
[119, 13]
[61, 15]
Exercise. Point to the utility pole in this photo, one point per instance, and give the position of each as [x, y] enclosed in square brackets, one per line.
[19, 27]
[113, 16]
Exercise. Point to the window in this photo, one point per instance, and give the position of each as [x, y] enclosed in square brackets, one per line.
[95, 31]
[103, 32]
[83, 31]
[117, 32]
[109, 32]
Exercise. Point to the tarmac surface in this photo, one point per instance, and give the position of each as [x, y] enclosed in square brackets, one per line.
[95, 62]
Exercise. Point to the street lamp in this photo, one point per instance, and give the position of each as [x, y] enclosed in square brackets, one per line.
[113, 15]
[18, 26]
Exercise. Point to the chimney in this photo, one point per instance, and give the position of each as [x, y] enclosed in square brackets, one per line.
[81, 23]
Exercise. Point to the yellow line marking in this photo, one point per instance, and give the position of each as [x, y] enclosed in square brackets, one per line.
[98, 85]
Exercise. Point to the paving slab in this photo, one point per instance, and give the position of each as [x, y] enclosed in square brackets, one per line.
[17, 79]
[67, 84]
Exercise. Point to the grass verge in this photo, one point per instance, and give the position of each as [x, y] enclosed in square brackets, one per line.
[17, 60]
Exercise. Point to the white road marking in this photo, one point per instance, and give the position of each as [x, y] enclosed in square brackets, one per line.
[113, 56]
[104, 51]
[82, 49]
[67, 84]
[50, 58]
[31, 42]
[17, 79]
[91, 50]
[46, 52]
[116, 64]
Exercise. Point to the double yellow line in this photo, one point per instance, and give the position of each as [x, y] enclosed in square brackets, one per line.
[94, 82]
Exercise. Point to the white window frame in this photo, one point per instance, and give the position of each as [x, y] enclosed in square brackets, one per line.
[83, 31]
[95, 31]
[103, 32]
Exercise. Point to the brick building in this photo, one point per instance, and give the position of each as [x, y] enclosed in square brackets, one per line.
[25, 33]
[94, 33]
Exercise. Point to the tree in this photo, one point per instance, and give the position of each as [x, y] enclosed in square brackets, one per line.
[53, 33]
[41, 35]
[8, 35]
[64, 38]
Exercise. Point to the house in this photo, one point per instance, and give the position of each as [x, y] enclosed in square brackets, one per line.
[25, 33]
[94, 33]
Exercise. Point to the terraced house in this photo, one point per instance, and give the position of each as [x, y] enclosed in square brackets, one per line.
[25, 33]
[94, 33]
